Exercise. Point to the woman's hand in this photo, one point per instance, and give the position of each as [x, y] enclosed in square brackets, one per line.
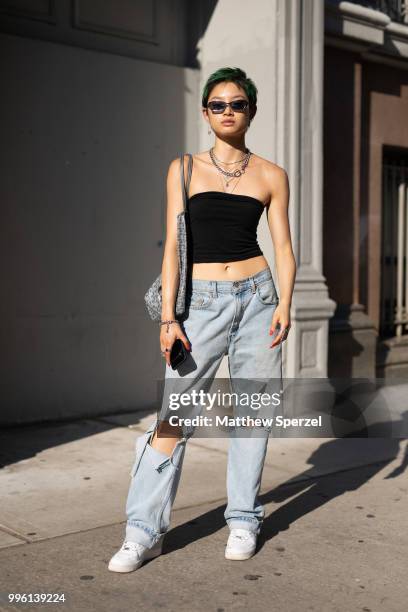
[167, 339]
[281, 316]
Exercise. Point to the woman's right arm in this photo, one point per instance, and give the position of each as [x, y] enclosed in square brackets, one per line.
[170, 269]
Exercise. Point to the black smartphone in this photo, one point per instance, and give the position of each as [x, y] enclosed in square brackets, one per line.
[178, 353]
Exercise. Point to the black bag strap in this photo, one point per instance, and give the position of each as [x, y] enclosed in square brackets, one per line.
[185, 187]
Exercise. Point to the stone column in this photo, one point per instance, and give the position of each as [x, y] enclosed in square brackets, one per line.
[299, 149]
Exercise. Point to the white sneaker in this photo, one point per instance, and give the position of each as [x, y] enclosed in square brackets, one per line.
[132, 555]
[241, 544]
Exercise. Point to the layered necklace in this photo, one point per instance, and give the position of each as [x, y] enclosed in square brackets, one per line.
[225, 174]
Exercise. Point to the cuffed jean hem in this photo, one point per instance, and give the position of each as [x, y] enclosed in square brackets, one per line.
[141, 534]
[245, 523]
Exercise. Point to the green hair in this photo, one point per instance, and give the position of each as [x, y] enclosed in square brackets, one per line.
[235, 75]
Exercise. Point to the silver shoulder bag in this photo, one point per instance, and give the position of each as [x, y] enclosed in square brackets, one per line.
[153, 297]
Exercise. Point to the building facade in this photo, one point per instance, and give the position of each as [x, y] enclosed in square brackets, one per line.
[365, 230]
[100, 97]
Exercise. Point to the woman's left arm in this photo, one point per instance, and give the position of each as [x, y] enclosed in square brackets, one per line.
[278, 221]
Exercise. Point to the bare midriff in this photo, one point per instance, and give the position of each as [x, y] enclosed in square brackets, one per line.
[231, 270]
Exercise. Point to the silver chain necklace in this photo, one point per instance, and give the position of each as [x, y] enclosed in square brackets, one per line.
[228, 163]
[235, 173]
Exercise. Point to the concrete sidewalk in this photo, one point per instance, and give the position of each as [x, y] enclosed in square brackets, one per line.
[335, 536]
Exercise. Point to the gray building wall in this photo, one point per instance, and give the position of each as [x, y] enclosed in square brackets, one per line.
[87, 137]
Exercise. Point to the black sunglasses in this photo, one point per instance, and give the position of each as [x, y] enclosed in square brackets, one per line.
[218, 106]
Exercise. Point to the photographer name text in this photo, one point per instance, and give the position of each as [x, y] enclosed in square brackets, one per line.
[245, 421]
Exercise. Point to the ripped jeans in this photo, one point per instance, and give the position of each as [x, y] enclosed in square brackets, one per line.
[223, 318]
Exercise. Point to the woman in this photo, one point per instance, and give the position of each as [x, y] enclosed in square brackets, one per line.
[233, 308]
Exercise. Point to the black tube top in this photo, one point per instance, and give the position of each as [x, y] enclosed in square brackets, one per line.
[223, 226]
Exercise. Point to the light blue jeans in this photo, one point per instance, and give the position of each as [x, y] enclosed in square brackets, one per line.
[223, 318]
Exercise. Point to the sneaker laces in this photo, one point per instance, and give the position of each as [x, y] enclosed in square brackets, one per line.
[241, 534]
[129, 546]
